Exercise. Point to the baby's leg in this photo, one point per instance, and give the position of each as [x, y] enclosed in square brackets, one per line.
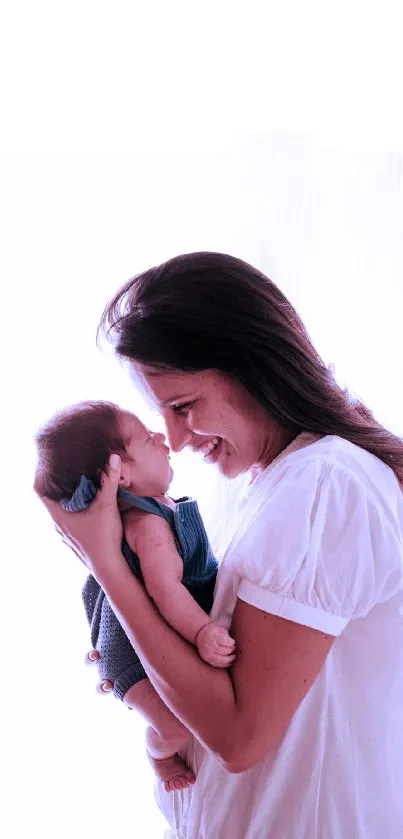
[164, 737]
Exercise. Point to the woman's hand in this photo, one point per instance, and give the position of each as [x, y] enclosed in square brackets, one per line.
[95, 534]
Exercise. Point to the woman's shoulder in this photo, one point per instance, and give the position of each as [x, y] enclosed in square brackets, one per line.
[310, 458]
[324, 501]
[326, 478]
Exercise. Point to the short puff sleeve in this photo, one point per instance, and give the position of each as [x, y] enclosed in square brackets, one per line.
[310, 553]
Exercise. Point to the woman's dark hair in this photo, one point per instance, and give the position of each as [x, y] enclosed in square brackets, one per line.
[213, 311]
[77, 441]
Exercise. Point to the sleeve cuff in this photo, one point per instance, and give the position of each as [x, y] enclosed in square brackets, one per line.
[128, 678]
[291, 610]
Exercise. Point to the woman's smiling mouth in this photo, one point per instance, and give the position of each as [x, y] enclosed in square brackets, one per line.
[211, 449]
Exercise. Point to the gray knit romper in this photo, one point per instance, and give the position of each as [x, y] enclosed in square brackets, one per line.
[118, 660]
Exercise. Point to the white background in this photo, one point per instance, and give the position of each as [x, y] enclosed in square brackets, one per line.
[103, 174]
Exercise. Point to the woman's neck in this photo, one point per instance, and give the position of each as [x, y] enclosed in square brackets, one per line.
[277, 443]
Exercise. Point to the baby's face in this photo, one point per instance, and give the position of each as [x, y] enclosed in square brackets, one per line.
[146, 469]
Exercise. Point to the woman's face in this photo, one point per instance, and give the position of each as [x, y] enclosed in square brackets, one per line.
[213, 413]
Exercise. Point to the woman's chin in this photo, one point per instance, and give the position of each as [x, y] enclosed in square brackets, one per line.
[229, 469]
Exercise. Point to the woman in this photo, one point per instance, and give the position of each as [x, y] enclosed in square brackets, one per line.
[303, 738]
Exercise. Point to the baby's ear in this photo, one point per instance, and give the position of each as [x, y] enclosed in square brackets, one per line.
[124, 480]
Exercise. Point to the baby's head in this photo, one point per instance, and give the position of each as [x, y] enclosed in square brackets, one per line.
[79, 441]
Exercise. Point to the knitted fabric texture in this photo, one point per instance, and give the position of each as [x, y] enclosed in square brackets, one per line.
[118, 661]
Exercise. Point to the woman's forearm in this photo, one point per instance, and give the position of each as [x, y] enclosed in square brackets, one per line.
[201, 696]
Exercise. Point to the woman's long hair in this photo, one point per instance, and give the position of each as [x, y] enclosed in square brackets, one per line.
[213, 311]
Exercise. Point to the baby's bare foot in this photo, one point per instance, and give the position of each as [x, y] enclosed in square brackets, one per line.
[173, 772]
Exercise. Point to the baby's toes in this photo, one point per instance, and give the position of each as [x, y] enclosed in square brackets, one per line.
[179, 782]
[171, 785]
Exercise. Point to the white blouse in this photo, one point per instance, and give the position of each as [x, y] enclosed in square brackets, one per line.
[319, 541]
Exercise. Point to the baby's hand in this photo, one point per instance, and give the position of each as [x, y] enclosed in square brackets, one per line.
[215, 645]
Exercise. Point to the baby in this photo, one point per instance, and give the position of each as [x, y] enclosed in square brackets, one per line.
[165, 545]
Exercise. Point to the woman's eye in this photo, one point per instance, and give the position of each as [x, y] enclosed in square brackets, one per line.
[182, 409]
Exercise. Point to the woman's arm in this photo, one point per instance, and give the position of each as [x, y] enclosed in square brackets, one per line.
[239, 715]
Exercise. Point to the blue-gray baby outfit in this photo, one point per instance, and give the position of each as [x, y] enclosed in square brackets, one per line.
[118, 660]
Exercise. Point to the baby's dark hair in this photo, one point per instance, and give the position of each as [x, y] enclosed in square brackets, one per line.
[78, 440]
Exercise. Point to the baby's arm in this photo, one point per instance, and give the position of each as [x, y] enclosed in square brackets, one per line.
[150, 537]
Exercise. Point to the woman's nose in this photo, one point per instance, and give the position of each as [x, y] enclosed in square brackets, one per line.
[178, 432]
